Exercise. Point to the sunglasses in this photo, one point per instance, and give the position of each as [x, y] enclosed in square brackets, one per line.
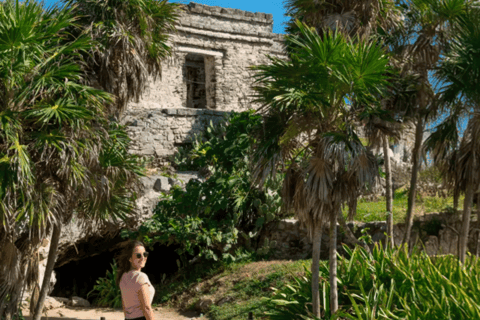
[139, 255]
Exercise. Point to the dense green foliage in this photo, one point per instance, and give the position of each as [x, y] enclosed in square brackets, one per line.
[107, 292]
[388, 284]
[207, 219]
[60, 155]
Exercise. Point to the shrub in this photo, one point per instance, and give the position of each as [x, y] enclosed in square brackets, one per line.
[107, 292]
[207, 218]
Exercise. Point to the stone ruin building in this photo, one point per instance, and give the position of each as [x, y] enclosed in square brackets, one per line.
[207, 75]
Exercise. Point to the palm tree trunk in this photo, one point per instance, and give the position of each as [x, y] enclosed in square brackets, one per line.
[388, 194]
[333, 264]
[52, 255]
[317, 241]
[456, 195]
[352, 208]
[467, 212]
[413, 181]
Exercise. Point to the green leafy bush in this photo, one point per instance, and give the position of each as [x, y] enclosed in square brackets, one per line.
[388, 284]
[207, 219]
[107, 292]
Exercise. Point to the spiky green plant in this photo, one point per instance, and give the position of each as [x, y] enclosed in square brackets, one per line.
[107, 292]
[388, 284]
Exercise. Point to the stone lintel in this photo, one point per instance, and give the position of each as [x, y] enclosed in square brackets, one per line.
[200, 51]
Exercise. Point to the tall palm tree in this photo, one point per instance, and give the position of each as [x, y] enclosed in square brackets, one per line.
[59, 156]
[381, 19]
[353, 18]
[428, 32]
[461, 71]
[311, 106]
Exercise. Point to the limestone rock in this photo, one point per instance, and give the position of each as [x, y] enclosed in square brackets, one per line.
[162, 184]
[431, 246]
[204, 304]
[224, 300]
[448, 242]
[80, 302]
[52, 303]
[64, 301]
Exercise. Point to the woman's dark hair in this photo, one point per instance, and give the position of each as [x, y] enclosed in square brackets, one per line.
[122, 259]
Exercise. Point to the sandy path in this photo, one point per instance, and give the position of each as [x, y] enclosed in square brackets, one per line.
[77, 313]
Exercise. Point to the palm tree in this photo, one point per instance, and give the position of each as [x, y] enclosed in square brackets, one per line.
[131, 42]
[59, 156]
[379, 132]
[381, 19]
[311, 108]
[461, 71]
[352, 18]
[427, 34]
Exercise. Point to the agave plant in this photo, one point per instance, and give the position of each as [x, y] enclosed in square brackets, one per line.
[107, 292]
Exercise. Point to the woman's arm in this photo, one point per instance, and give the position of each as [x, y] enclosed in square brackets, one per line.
[144, 297]
[123, 307]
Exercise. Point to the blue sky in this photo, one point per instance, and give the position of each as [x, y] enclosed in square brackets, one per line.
[274, 7]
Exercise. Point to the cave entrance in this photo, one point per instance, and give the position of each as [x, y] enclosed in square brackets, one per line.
[200, 79]
[77, 278]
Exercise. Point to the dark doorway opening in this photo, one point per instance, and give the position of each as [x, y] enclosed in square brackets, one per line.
[77, 278]
[196, 79]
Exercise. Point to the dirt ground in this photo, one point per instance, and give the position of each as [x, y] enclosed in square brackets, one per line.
[77, 313]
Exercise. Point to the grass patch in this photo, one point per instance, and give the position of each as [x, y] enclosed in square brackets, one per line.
[368, 211]
[241, 286]
[168, 291]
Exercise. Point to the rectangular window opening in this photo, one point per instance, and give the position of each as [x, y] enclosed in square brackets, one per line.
[200, 79]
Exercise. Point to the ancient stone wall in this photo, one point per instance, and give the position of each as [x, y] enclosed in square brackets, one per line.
[435, 233]
[158, 132]
[212, 52]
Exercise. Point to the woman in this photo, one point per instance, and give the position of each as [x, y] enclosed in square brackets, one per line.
[137, 291]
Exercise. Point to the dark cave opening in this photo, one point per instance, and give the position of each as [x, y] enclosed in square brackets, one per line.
[77, 278]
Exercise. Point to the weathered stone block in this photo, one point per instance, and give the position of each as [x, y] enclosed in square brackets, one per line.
[161, 184]
[170, 111]
[80, 302]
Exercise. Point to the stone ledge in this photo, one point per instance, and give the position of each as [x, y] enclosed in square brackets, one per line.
[193, 112]
[229, 13]
[204, 25]
[226, 36]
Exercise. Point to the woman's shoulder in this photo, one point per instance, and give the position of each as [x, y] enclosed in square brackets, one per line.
[139, 276]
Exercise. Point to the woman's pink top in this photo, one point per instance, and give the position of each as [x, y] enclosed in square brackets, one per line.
[130, 284]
